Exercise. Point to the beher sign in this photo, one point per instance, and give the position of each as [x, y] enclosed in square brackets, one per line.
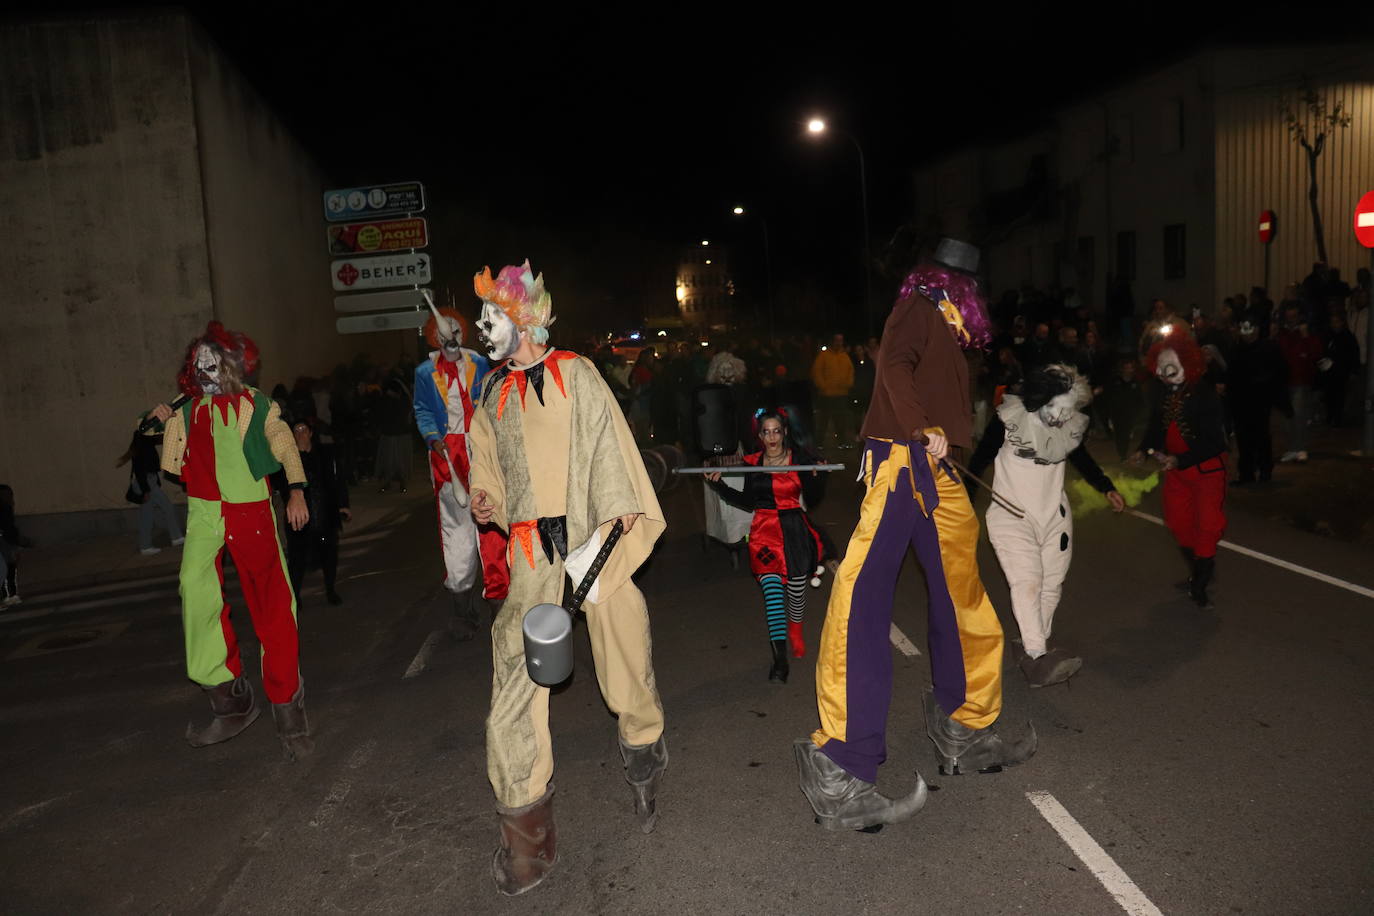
[380, 271]
[379, 200]
[386, 235]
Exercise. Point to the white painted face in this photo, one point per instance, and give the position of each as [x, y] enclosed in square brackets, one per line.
[208, 370]
[1169, 368]
[1058, 411]
[499, 334]
[450, 338]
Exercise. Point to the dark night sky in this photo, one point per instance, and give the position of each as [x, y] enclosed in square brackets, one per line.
[652, 120]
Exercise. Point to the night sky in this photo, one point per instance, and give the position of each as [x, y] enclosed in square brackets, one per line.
[653, 121]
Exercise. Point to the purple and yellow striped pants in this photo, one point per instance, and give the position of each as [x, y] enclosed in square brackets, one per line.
[910, 502]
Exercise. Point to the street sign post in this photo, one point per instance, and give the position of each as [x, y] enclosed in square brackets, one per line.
[373, 302]
[380, 271]
[387, 321]
[345, 204]
[377, 237]
[1364, 233]
[1267, 227]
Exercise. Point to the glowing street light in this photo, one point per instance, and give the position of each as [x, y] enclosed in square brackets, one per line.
[739, 211]
[705, 242]
[816, 125]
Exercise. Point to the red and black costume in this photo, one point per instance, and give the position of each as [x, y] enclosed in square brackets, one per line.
[1188, 423]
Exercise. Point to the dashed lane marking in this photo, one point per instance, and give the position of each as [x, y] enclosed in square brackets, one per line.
[904, 645]
[1275, 561]
[421, 659]
[1131, 898]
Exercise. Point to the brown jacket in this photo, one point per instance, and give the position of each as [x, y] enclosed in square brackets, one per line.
[921, 378]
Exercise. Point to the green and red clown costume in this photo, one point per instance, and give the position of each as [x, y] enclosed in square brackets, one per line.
[223, 447]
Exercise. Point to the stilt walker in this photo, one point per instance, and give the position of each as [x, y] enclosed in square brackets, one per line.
[223, 443]
[446, 387]
[920, 411]
[554, 466]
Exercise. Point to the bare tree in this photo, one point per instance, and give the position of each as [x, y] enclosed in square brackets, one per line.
[1309, 123]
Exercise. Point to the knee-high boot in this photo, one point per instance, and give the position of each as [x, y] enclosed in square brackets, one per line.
[778, 673]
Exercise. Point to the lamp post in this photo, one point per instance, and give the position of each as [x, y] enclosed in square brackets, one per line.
[816, 127]
[768, 271]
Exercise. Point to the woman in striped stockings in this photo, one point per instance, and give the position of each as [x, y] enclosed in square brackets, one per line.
[784, 547]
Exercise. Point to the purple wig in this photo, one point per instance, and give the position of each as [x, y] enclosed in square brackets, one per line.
[962, 290]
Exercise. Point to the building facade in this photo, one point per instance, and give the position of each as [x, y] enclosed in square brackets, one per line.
[1161, 183]
[705, 290]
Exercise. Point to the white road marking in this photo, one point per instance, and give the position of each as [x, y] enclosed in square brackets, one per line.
[1131, 898]
[84, 606]
[1275, 561]
[343, 785]
[421, 659]
[904, 645]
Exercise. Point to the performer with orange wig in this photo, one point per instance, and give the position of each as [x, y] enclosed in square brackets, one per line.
[446, 387]
[1186, 433]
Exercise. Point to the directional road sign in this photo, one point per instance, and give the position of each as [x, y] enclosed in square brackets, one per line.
[387, 321]
[346, 204]
[377, 237]
[373, 302]
[380, 272]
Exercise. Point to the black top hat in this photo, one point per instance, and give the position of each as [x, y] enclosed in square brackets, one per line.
[958, 255]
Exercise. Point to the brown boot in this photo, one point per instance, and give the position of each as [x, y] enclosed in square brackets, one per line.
[234, 709]
[529, 846]
[292, 726]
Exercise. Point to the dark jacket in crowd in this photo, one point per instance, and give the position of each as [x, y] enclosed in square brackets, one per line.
[1197, 409]
[1256, 377]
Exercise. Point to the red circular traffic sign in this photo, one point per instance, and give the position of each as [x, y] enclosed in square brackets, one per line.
[1266, 226]
[1364, 220]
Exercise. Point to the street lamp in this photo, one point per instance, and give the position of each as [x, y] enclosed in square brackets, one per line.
[768, 272]
[817, 126]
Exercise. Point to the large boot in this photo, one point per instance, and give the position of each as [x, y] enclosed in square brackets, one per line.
[778, 673]
[644, 766]
[234, 709]
[1202, 577]
[1186, 586]
[962, 749]
[796, 639]
[292, 726]
[466, 621]
[845, 802]
[529, 846]
[1054, 667]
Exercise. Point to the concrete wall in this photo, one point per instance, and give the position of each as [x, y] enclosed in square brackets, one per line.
[1260, 168]
[104, 263]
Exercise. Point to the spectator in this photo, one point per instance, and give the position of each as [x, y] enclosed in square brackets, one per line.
[11, 542]
[146, 491]
[316, 545]
[1357, 318]
[832, 375]
[1125, 397]
[396, 434]
[1340, 358]
[1300, 353]
[1255, 384]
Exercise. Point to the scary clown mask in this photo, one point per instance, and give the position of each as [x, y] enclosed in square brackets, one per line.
[444, 331]
[1169, 368]
[515, 307]
[1059, 409]
[208, 365]
[219, 361]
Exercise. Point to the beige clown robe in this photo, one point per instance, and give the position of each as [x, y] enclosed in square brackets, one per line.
[553, 452]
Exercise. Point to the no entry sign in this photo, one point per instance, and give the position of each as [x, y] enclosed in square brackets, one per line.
[1364, 220]
[1266, 226]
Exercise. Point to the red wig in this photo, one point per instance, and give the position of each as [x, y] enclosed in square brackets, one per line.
[238, 359]
[1180, 340]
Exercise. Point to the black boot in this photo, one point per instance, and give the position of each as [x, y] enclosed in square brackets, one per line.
[292, 727]
[466, 621]
[962, 749]
[234, 709]
[778, 673]
[845, 802]
[1186, 586]
[644, 766]
[1202, 577]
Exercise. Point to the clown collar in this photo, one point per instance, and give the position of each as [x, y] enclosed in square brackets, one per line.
[521, 378]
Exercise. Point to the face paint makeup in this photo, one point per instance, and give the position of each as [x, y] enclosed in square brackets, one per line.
[1058, 411]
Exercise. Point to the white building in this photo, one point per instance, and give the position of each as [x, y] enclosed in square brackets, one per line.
[1163, 179]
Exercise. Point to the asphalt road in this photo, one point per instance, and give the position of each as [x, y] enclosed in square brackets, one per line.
[1217, 759]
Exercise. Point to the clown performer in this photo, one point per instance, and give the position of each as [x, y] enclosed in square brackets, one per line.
[554, 466]
[1034, 432]
[1186, 434]
[446, 387]
[223, 443]
[784, 546]
[920, 413]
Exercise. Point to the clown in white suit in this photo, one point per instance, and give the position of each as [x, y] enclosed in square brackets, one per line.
[1036, 430]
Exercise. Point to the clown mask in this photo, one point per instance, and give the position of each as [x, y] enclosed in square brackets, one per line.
[450, 338]
[1058, 411]
[208, 368]
[499, 335]
[1169, 368]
